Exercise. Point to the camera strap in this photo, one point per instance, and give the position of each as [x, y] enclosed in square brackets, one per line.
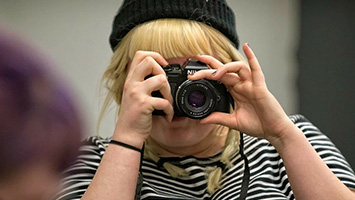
[140, 177]
[246, 175]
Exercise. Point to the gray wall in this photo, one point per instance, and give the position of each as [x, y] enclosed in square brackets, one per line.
[326, 80]
[75, 35]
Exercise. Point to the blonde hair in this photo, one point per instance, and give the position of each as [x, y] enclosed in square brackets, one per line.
[171, 38]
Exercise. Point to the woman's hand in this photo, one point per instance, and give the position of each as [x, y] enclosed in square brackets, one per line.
[135, 118]
[257, 112]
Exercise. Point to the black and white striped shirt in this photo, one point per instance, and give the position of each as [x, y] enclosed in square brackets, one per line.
[268, 178]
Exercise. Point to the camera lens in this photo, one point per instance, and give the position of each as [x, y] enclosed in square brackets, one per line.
[196, 99]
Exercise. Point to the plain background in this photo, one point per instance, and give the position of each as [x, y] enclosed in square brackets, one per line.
[326, 82]
[74, 34]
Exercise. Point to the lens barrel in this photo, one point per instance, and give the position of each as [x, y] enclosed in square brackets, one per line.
[197, 99]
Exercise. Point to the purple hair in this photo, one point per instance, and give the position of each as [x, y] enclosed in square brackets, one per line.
[38, 119]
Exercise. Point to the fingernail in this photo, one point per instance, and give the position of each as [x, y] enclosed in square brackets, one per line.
[214, 73]
[248, 45]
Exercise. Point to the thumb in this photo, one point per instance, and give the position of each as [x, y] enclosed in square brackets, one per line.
[220, 118]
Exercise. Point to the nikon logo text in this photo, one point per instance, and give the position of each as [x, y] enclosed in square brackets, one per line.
[191, 72]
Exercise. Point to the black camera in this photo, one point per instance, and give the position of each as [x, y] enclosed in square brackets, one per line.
[194, 99]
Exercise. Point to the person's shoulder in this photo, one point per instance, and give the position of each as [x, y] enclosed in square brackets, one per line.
[96, 141]
[305, 125]
[94, 145]
[313, 134]
[298, 118]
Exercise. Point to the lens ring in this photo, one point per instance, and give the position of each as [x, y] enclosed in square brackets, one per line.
[197, 99]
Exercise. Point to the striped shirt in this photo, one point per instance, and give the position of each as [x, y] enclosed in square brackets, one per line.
[268, 178]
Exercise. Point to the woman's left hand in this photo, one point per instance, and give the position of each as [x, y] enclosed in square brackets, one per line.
[257, 112]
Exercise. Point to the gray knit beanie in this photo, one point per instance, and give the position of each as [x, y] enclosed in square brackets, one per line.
[215, 13]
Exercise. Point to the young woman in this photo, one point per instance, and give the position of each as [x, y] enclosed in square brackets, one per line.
[253, 151]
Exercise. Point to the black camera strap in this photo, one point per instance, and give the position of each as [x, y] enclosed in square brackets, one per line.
[140, 177]
[246, 175]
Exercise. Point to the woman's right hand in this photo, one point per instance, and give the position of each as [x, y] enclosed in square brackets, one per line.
[135, 118]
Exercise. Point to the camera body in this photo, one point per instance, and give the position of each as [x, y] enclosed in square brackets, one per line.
[194, 99]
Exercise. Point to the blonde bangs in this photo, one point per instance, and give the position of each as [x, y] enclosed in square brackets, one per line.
[178, 38]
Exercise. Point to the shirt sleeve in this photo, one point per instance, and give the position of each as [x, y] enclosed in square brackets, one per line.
[78, 177]
[325, 148]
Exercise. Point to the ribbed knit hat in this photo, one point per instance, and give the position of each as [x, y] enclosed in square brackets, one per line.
[215, 13]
